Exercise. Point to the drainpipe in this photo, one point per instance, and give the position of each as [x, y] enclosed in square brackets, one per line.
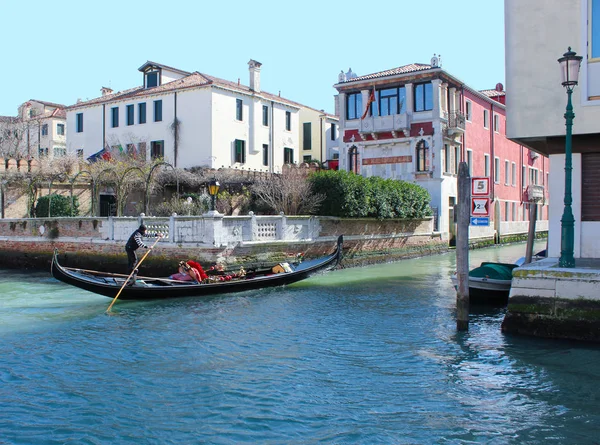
[492, 149]
[321, 137]
[272, 139]
[103, 125]
[175, 130]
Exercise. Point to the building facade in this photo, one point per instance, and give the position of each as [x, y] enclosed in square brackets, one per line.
[535, 39]
[417, 123]
[190, 119]
[318, 136]
[38, 130]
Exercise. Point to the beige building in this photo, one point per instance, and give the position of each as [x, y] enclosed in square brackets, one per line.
[319, 133]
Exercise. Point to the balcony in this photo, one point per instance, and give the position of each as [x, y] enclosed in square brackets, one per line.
[397, 124]
[535, 193]
[456, 123]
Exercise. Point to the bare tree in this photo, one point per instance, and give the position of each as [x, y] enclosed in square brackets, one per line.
[289, 192]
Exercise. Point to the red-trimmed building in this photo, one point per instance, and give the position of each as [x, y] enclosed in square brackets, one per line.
[417, 122]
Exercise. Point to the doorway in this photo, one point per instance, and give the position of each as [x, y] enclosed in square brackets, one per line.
[451, 221]
[108, 205]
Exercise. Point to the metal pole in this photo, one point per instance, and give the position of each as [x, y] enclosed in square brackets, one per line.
[567, 239]
[462, 247]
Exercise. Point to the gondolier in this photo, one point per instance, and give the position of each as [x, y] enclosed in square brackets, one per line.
[135, 242]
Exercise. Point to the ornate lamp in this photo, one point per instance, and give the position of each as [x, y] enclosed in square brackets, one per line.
[213, 189]
[569, 68]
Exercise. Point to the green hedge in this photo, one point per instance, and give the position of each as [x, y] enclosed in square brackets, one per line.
[61, 206]
[351, 196]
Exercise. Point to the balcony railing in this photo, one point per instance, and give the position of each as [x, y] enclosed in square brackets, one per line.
[456, 120]
[535, 193]
[397, 124]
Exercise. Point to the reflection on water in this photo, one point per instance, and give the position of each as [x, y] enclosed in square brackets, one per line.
[365, 355]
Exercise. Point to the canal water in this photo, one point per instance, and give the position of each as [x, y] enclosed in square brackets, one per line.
[357, 356]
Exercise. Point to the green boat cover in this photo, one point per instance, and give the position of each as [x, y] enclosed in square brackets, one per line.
[495, 271]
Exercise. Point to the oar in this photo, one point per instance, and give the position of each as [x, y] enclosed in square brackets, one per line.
[132, 272]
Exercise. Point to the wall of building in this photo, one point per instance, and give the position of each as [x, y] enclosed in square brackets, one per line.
[533, 46]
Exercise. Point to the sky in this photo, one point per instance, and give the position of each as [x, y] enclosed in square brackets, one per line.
[62, 51]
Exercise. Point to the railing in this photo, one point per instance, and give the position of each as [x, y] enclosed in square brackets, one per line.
[535, 193]
[378, 124]
[456, 120]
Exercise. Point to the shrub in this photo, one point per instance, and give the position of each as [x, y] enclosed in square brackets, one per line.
[351, 196]
[60, 206]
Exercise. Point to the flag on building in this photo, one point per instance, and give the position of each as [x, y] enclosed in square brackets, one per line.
[369, 102]
[102, 154]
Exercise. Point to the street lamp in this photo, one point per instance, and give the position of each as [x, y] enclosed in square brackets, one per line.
[569, 67]
[213, 189]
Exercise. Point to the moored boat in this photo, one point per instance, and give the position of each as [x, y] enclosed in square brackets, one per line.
[148, 288]
[489, 283]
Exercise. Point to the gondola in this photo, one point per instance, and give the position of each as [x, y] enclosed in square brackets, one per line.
[146, 288]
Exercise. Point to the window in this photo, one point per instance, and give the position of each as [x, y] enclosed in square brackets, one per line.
[447, 159]
[239, 110]
[239, 155]
[506, 172]
[594, 23]
[524, 176]
[288, 155]
[288, 121]
[131, 151]
[497, 170]
[43, 152]
[79, 153]
[391, 101]
[422, 153]
[470, 161]
[533, 176]
[423, 96]
[60, 152]
[157, 149]
[506, 204]
[353, 106]
[115, 116]
[129, 114]
[265, 115]
[142, 151]
[514, 175]
[486, 166]
[456, 159]
[496, 123]
[45, 130]
[151, 79]
[468, 110]
[306, 158]
[514, 211]
[306, 136]
[79, 123]
[265, 155]
[157, 110]
[142, 113]
[333, 135]
[60, 129]
[486, 119]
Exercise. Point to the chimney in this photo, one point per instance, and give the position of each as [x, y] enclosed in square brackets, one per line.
[106, 91]
[254, 68]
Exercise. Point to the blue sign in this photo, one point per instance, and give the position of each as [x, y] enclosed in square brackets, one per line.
[480, 220]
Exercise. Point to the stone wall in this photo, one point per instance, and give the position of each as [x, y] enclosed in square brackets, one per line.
[548, 301]
[98, 243]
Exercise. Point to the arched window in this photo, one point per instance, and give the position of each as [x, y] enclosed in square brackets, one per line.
[422, 154]
[353, 164]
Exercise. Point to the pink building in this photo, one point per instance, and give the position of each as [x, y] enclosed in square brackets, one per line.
[417, 122]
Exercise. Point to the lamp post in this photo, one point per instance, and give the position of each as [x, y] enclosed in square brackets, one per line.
[213, 189]
[569, 66]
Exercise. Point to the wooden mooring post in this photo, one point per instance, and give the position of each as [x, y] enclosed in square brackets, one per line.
[462, 247]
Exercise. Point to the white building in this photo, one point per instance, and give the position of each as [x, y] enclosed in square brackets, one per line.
[39, 130]
[190, 119]
[536, 37]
